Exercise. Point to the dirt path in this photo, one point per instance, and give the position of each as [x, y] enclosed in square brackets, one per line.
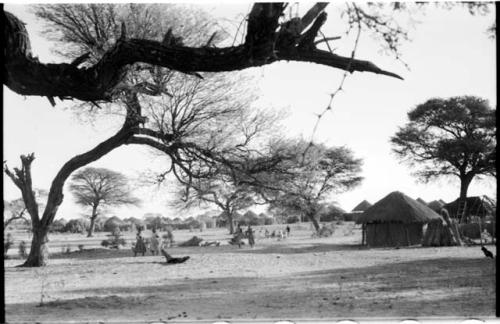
[293, 279]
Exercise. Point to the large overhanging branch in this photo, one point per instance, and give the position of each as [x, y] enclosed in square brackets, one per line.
[267, 41]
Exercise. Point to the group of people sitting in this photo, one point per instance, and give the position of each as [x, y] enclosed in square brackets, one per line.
[155, 245]
[239, 236]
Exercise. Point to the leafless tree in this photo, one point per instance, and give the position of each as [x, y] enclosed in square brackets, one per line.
[97, 188]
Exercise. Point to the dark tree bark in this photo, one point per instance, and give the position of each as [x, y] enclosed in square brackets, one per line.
[266, 42]
[93, 218]
[22, 179]
[465, 181]
[314, 221]
[230, 222]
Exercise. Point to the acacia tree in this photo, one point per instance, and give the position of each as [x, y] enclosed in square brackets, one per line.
[309, 175]
[99, 187]
[226, 183]
[186, 139]
[450, 137]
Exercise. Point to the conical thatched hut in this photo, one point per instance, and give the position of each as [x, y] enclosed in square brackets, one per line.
[396, 220]
[436, 205]
[420, 200]
[115, 223]
[362, 206]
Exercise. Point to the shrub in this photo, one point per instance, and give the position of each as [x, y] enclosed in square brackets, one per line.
[114, 240]
[22, 249]
[292, 220]
[268, 221]
[74, 226]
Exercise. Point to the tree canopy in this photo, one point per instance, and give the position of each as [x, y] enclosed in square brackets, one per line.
[97, 188]
[449, 137]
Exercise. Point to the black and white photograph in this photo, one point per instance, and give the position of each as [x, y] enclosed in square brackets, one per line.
[239, 162]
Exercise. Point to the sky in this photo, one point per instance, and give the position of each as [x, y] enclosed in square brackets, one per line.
[450, 54]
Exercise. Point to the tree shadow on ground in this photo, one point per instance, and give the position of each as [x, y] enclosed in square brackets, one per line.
[414, 288]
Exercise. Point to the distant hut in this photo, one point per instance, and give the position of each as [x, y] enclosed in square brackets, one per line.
[420, 200]
[396, 220]
[358, 210]
[362, 206]
[135, 223]
[436, 205]
[115, 223]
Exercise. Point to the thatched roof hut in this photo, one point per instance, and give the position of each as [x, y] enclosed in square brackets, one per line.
[362, 206]
[420, 200]
[436, 205]
[475, 206]
[396, 220]
[115, 223]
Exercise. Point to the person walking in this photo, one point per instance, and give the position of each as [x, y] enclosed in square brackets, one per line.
[288, 230]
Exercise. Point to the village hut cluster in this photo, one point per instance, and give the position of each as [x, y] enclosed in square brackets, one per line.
[399, 220]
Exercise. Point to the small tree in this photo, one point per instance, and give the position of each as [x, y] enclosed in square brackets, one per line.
[97, 188]
[450, 137]
[308, 176]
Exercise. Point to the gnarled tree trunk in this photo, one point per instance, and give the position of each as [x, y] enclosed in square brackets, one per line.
[92, 221]
[39, 251]
[314, 221]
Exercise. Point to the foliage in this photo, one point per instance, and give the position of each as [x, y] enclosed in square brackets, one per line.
[58, 226]
[310, 174]
[449, 137]
[97, 188]
[74, 226]
[114, 241]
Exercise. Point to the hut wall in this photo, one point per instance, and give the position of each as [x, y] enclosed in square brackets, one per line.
[393, 234]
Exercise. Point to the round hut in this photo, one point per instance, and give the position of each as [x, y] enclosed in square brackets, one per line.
[420, 200]
[436, 205]
[115, 223]
[395, 220]
[362, 206]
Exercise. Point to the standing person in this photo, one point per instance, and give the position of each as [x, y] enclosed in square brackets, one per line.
[288, 230]
[251, 239]
[140, 246]
[155, 243]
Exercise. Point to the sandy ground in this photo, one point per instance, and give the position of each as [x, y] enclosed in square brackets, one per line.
[297, 278]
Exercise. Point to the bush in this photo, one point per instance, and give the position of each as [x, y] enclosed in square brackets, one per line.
[22, 249]
[57, 226]
[268, 221]
[292, 220]
[74, 226]
[115, 240]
